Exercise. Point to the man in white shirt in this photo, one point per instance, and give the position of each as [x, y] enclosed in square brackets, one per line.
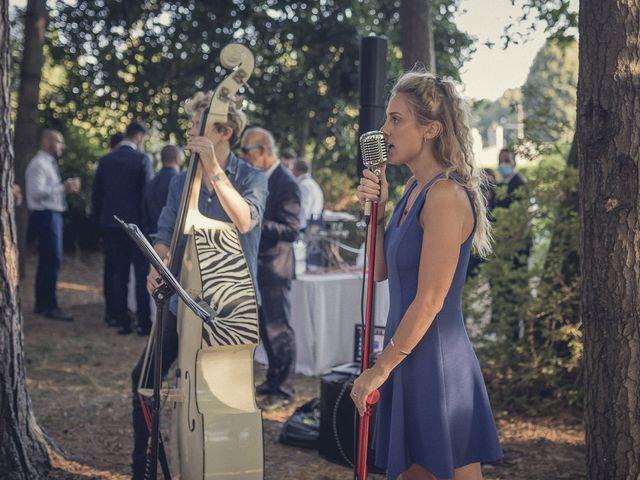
[312, 196]
[46, 202]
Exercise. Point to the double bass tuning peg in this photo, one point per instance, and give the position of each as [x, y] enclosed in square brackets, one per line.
[249, 89]
[238, 100]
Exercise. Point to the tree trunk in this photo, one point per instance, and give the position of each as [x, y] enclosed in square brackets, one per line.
[416, 34]
[608, 153]
[23, 453]
[25, 142]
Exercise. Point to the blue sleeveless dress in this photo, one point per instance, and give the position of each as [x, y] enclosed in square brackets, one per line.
[434, 409]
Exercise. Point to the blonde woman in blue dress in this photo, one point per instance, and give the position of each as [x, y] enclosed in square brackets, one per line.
[434, 419]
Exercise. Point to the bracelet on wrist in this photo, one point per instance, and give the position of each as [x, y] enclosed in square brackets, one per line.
[403, 352]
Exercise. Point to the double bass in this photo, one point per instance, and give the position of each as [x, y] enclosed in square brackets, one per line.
[216, 424]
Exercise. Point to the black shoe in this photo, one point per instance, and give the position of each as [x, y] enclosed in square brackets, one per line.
[143, 331]
[265, 388]
[38, 310]
[125, 331]
[110, 321]
[58, 314]
[275, 401]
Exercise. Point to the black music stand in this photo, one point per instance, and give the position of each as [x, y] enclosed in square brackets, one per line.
[167, 288]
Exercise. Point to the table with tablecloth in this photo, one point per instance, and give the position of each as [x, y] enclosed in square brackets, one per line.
[325, 307]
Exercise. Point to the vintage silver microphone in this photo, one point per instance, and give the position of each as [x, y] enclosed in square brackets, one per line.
[374, 155]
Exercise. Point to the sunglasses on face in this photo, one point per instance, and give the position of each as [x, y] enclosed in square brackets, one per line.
[246, 149]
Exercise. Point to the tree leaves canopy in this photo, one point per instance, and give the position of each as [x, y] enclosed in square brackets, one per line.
[145, 58]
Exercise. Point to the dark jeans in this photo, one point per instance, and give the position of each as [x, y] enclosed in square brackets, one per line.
[119, 253]
[47, 226]
[169, 355]
[277, 335]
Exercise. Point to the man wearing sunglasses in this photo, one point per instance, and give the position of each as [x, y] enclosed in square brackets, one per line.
[276, 265]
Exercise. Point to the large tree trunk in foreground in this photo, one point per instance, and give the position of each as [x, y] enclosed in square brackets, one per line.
[609, 154]
[26, 127]
[416, 34]
[23, 454]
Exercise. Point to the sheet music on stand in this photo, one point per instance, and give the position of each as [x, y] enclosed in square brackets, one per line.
[147, 250]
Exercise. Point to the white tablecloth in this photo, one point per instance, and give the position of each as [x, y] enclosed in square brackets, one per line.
[324, 310]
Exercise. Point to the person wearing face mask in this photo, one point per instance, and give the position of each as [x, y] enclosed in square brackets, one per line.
[46, 202]
[510, 177]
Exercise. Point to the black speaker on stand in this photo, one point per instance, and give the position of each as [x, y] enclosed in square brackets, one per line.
[338, 431]
[373, 81]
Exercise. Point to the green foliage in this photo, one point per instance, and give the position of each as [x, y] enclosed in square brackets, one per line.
[549, 93]
[531, 348]
[560, 21]
[337, 188]
[144, 60]
[501, 112]
[80, 154]
[548, 98]
[453, 47]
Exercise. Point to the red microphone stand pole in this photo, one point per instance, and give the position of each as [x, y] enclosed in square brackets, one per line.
[363, 429]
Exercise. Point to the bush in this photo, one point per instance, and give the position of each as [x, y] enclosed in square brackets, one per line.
[531, 347]
[80, 160]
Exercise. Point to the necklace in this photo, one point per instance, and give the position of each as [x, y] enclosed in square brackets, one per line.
[410, 201]
[412, 197]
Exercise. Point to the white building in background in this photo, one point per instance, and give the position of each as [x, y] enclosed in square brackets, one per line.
[509, 130]
[487, 155]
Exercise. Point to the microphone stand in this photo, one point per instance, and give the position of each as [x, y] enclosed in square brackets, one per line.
[363, 425]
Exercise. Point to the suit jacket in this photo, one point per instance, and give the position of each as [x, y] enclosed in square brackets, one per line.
[155, 198]
[119, 186]
[280, 227]
[514, 183]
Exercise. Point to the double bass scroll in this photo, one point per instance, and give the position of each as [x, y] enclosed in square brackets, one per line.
[241, 59]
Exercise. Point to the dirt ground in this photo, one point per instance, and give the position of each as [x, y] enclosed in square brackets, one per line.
[78, 380]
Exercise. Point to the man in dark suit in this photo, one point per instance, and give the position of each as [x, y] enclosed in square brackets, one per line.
[516, 292]
[155, 196]
[276, 266]
[118, 189]
[510, 177]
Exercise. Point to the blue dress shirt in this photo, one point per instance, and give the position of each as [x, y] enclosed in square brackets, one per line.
[250, 182]
[155, 198]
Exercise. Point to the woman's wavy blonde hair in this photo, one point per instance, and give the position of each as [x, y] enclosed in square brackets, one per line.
[236, 119]
[430, 98]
